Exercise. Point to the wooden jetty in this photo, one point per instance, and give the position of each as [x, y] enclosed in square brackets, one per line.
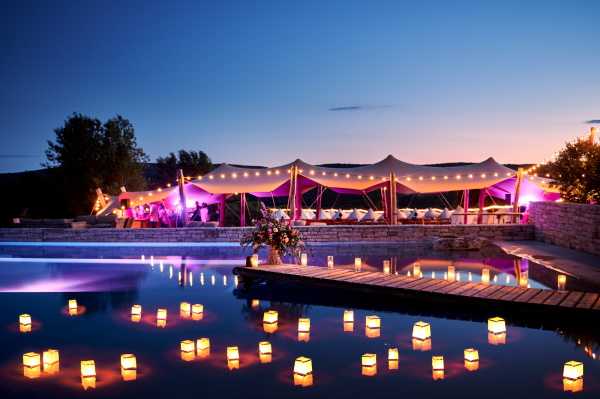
[430, 288]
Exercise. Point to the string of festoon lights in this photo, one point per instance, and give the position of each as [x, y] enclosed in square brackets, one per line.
[532, 170]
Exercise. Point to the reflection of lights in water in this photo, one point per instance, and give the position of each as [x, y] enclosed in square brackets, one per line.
[255, 303]
[187, 356]
[129, 375]
[170, 272]
[422, 345]
[457, 276]
[495, 278]
[235, 281]
[151, 260]
[212, 279]
[136, 318]
[191, 279]
[201, 278]
[303, 380]
[348, 326]
[303, 336]
[572, 385]
[437, 363]
[161, 266]
[470, 276]
[270, 328]
[496, 339]
[432, 274]
[372, 332]
[437, 374]
[24, 328]
[225, 281]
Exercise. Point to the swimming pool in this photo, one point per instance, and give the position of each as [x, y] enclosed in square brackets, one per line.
[107, 281]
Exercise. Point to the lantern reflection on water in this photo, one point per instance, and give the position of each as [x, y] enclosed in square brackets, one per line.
[32, 372]
[369, 364]
[255, 304]
[437, 374]
[265, 352]
[572, 385]
[561, 282]
[437, 366]
[88, 374]
[330, 261]
[270, 321]
[357, 264]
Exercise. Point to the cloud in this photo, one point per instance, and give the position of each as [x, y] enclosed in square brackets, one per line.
[357, 107]
[593, 121]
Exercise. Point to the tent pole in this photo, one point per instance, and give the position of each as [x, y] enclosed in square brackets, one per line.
[384, 203]
[319, 202]
[292, 194]
[297, 197]
[482, 194]
[393, 203]
[466, 206]
[180, 183]
[517, 192]
[242, 209]
[222, 211]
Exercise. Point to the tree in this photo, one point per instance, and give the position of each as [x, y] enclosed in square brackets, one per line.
[193, 163]
[576, 171]
[88, 154]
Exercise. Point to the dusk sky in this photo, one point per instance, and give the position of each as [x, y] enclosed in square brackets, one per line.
[265, 82]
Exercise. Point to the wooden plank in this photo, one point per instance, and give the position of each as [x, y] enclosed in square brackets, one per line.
[333, 274]
[587, 301]
[571, 300]
[429, 282]
[441, 283]
[555, 298]
[383, 280]
[358, 276]
[488, 291]
[445, 289]
[403, 283]
[394, 280]
[461, 289]
[370, 280]
[327, 273]
[502, 291]
[530, 293]
[596, 305]
[541, 297]
[477, 288]
[514, 294]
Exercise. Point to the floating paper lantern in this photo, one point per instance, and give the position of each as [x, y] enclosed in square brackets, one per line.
[197, 308]
[416, 270]
[357, 264]
[185, 308]
[254, 260]
[233, 353]
[303, 259]
[471, 355]
[265, 352]
[50, 356]
[128, 361]
[496, 325]
[270, 316]
[73, 305]
[25, 319]
[369, 364]
[31, 359]
[421, 330]
[393, 354]
[303, 365]
[451, 276]
[187, 345]
[330, 262]
[136, 310]
[303, 325]
[561, 282]
[437, 374]
[88, 368]
[254, 304]
[485, 276]
[203, 345]
[373, 321]
[573, 370]
[496, 339]
[386, 267]
[348, 316]
[572, 385]
[437, 362]
[303, 380]
[161, 314]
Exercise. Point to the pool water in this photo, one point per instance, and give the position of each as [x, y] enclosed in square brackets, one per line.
[107, 281]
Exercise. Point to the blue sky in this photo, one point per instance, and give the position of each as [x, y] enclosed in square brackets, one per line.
[265, 82]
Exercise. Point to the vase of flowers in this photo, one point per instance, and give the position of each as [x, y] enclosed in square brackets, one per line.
[280, 238]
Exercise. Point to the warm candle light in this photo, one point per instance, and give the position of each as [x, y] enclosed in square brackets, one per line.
[573, 370]
[254, 260]
[348, 316]
[187, 345]
[437, 374]
[471, 359]
[73, 304]
[303, 325]
[136, 310]
[357, 264]
[422, 345]
[523, 281]
[255, 304]
[203, 347]
[88, 368]
[496, 339]
[270, 328]
[25, 319]
[265, 352]
[369, 364]
[573, 386]
[233, 358]
[50, 356]
[496, 325]
[485, 276]
[421, 330]
[386, 267]
[437, 362]
[303, 380]
[303, 365]
[197, 308]
[31, 359]
[129, 375]
[451, 276]
[330, 262]
[303, 259]
[32, 372]
[128, 361]
[185, 309]
[417, 270]
[373, 321]
[561, 282]
[270, 316]
[393, 354]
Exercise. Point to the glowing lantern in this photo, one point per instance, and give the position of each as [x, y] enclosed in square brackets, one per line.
[303, 336]
[270, 328]
[254, 260]
[161, 314]
[372, 332]
[417, 270]
[25, 319]
[485, 276]
[422, 345]
[129, 375]
[392, 364]
[348, 316]
[203, 344]
[523, 281]
[393, 354]
[369, 364]
[197, 308]
[496, 339]
[451, 273]
[24, 328]
[357, 264]
[128, 361]
[437, 362]
[136, 318]
[265, 352]
[88, 368]
[233, 357]
[373, 321]
[303, 259]
[437, 374]
[303, 366]
[185, 309]
[471, 355]
[303, 380]
[31, 359]
[254, 304]
[50, 357]
[421, 330]
[32, 372]
[270, 316]
[73, 305]
[496, 325]
[573, 370]
[562, 282]
[187, 345]
[303, 325]
[136, 310]
[330, 262]
[386, 267]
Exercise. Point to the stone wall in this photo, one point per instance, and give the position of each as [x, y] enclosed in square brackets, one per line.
[575, 226]
[401, 233]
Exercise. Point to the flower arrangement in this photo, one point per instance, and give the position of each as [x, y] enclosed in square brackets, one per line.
[268, 231]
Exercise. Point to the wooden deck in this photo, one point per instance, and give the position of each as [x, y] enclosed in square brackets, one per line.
[399, 284]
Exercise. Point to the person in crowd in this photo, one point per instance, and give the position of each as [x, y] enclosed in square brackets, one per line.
[196, 217]
[153, 216]
[204, 212]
